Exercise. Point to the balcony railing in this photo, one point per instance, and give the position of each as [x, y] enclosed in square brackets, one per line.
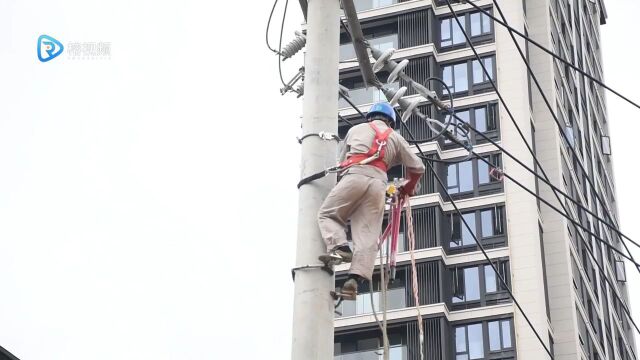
[396, 299]
[395, 353]
[365, 96]
[362, 5]
[381, 43]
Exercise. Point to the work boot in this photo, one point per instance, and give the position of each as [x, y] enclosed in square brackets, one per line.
[337, 256]
[349, 290]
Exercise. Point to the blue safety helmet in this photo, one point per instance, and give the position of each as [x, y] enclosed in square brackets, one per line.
[385, 109]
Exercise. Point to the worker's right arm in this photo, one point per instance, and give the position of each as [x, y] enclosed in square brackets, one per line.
[408, 158]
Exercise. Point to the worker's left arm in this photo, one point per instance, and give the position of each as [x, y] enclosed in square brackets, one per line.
[414, 165]
[343, 149]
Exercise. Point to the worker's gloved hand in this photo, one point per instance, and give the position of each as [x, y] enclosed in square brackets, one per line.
[411, 187]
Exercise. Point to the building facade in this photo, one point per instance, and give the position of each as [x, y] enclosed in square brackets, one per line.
[568, 283]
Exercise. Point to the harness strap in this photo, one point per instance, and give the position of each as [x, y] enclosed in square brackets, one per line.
[375, 155]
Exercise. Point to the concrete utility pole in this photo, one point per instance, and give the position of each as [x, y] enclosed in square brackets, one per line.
[312, 304]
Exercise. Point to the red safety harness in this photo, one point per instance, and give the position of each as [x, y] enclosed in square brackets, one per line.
[375, 155]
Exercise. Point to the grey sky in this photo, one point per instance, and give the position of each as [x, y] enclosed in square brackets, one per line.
[148, 202]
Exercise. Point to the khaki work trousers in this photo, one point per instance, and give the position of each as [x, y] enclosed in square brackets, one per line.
[361, 199]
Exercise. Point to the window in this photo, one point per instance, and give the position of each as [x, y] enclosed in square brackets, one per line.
[492, 222]
[479, 75]
[460, 177]
[455, 76]
[381, 37]
[492, 280]
[486, 340]
[465, 117]
[621, 275]
[460, 234]
[480, 24]
[483, 119]
[469, 342]
[468, 76]
[479, 285]
[499, 335]
[468, 282]
[489, 174]
[606, 145]
[474, 178]
[486, 224]
[450, 33]
[476, 24]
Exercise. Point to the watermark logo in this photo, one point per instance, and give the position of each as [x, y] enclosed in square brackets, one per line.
[48, 48]
[89, 50]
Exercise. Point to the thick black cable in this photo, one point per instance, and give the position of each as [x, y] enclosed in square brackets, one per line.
[484, 252]
[566, 216]
[613, 288]
[615, 229]
[605, 207]
[284, 16]
[574, 222]
[532, 193]
[541, 47]
[539, 165]
[266, 35]
[602, 272]
[512, 118]
[506, 286]
[554, 188]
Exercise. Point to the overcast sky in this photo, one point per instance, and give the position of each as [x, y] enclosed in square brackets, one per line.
[148, 201]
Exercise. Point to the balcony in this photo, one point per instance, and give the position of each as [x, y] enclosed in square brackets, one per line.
[381, 43]
[363, 96]
[363, 5]
[396, 299]
[395, 353]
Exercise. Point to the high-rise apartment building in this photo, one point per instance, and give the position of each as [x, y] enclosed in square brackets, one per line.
[545, 259]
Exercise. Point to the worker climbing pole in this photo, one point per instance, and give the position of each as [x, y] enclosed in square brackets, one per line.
[369, 149]
[367, 152]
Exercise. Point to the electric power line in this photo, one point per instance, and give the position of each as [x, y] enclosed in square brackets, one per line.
[546, 178]
[541, 47]
[574, 222]
[605, 207]
[615, 229]
[266, 35]
[284, 16]
[486, 256]
[453, 203]
[503, 282]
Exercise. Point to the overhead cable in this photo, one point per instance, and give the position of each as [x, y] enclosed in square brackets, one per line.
[541, 47]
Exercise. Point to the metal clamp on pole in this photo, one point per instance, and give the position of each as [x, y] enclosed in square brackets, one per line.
[323, 267]
[318, 175]
[324, 135]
